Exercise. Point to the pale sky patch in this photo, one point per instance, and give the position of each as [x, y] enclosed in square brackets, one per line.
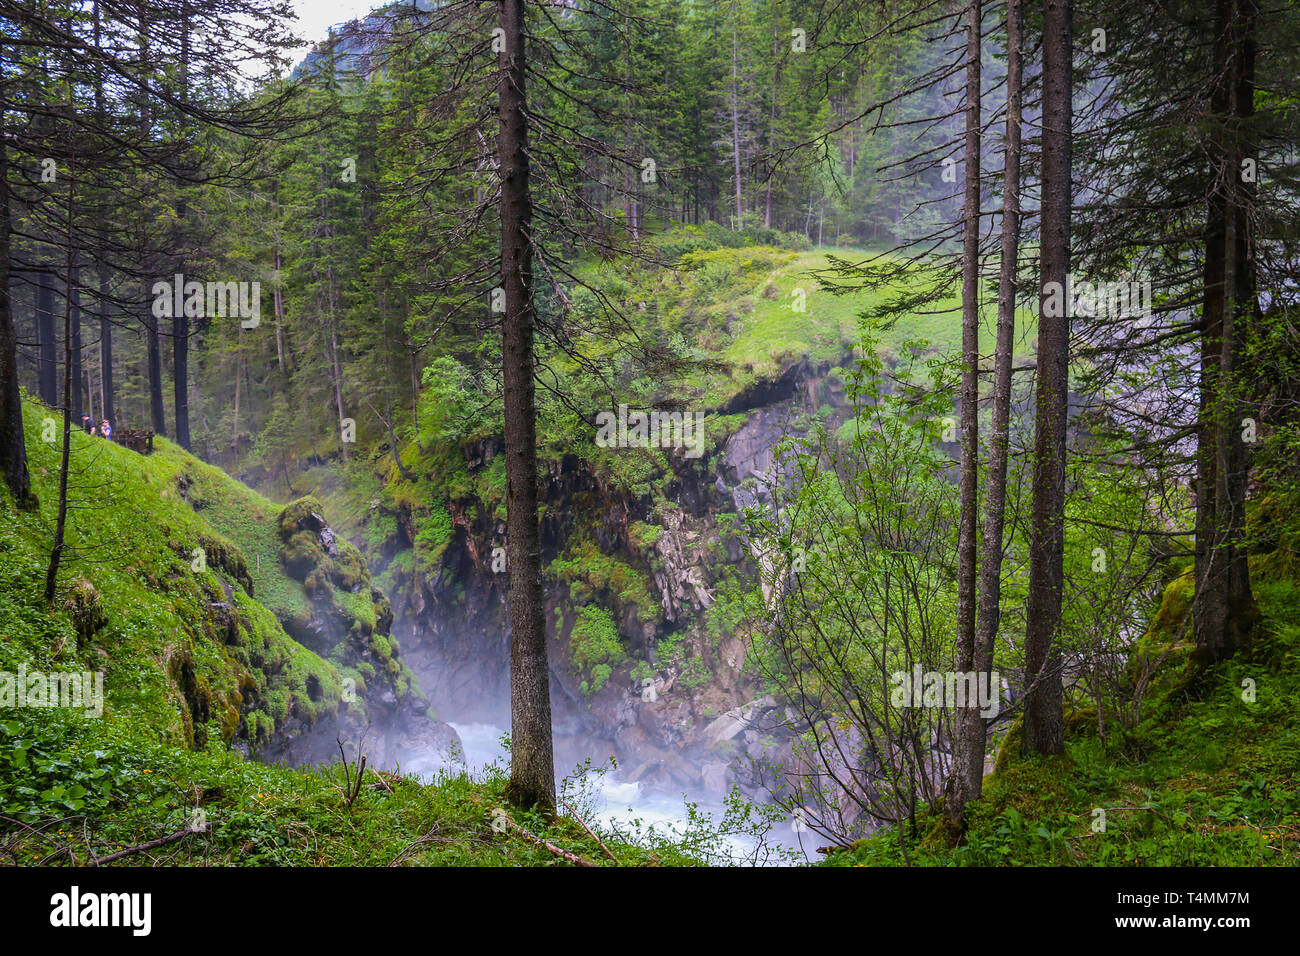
[315, 17]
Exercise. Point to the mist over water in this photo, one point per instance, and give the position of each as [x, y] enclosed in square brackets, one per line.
[460, 666]
[615, 803]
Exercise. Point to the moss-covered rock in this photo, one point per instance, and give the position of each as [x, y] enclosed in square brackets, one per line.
[86, 608]
[348, 568]
[302, 554]
[305, 514]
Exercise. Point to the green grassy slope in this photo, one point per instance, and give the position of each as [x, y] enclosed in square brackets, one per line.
[153, 576]
[758, 309]
[194, 657]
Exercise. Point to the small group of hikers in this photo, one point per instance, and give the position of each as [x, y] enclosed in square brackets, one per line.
[105, 430]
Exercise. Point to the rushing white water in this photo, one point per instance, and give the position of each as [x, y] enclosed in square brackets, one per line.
[614, 803]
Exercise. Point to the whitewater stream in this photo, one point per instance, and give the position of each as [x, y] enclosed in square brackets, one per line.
[614, 803]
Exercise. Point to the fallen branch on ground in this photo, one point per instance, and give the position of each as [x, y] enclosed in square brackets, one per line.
[590, 833]
[151, 845]
[429, 837]
[533, 838]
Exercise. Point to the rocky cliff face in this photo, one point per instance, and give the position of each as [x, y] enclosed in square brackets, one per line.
[683, 708]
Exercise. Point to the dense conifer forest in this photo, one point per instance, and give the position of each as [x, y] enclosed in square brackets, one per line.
[650, 433]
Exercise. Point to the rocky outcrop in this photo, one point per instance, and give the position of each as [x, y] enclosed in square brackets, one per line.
[682, 710]
[679, 578]
[345, 619]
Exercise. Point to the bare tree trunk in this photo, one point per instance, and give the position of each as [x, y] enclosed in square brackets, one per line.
[414, 354]
[277, 299]
[630, 179]
[75, 295]
[387, 422]
[532, 765]
[60, 525]
[1043, 730]
[771, 120]
[48, 366]
[106, 400]
[181, 377]
[629, 198]
[239, 361]
[13, 443]
[995, 504]
[969, 763]
[156, 412]
[1210, 609]
[180, 321]
[1243, 614]
[735, 121]
[154, 360]
[1224, 611]
[88, 385]
[337, 368]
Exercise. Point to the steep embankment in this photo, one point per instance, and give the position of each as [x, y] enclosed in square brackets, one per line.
[217, 616]
[222, 625]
